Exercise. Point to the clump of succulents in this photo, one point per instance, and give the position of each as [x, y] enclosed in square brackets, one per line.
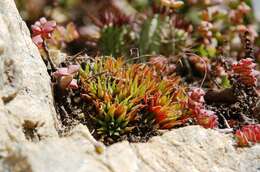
[117, 94]
[247, 135]
[196, 104]
[245, 71]
[193, 38]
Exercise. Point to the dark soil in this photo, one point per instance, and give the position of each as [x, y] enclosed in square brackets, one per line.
[240, 110]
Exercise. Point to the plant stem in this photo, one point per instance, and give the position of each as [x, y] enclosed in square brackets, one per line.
[45, 48]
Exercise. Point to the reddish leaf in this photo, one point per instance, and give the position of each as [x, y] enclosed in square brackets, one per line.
[173, 123]
[203, 117]
[65, 76]
[42, 29]
[196, 94]
[248, 134]
[38, 41]
[72, 69]
[61, 72]
[207, 119]
[158, 114]
[73, 84]
[246, 72]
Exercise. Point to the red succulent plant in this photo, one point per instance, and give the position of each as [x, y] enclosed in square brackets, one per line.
[246, 72]
[206, 118]
[155, 108]
[65, 76]
[203, 117]
[196, 97]
[41, 30]
[248, 134]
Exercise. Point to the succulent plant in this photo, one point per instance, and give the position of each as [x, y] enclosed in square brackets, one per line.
[202, 116]
[42, 29]
[122, 94]
[112, 41]
[248, 134]
[245, 69]
[65, 77]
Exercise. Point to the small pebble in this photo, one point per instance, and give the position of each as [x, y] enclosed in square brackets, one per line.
[99, 148]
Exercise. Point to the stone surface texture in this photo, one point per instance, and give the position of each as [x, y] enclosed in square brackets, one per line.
[24, 82]
[189, 149]
[28, 126]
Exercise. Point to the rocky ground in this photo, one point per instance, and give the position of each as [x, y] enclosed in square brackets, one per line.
[29, 139]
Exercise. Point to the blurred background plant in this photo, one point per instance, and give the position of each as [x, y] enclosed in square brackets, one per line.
[141, 29]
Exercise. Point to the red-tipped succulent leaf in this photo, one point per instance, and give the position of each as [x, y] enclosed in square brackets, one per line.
[41, 30]
[65, 76]
[245, 69]
[248, 134]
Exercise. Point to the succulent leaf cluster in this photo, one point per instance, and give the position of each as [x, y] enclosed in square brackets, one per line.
[248, 134]
[48, 33]
[196, 104]
[119, 94]
[245, 69]
[42, 30]
[65, 77]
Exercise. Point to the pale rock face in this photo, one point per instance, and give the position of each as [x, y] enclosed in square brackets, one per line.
[26, 105]
[189, 149]
[25, 85]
